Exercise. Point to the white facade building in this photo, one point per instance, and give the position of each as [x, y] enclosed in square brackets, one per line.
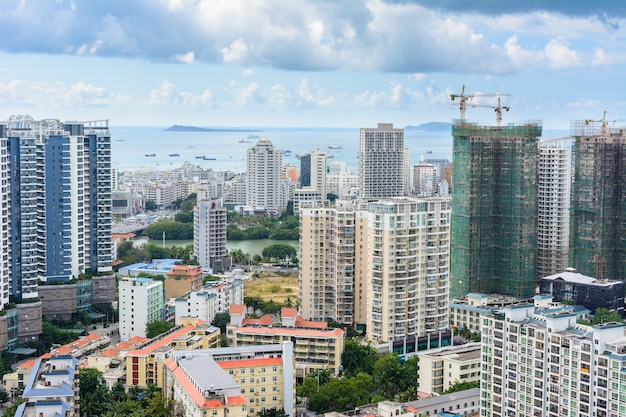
[424, 180]
[383, 163]
[540, 362]
[200, 304]
[209, 234]
[553, 205]
[141, 301]
[340, 181]
[263, 182]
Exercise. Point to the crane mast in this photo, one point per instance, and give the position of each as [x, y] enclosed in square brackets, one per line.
[464, 103]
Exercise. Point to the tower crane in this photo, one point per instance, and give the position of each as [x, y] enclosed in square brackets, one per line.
[464, 98]
[603, 121]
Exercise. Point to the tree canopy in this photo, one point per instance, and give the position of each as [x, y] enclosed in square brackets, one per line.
[280, 252]
[157, 327]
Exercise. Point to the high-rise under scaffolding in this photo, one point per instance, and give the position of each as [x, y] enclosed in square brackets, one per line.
[598, 204]
[494, 208]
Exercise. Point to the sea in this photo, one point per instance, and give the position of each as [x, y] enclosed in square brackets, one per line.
[228, 146]
[225, 148]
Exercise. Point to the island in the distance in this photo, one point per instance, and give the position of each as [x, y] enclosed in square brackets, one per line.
[181, 128]
[431, 126]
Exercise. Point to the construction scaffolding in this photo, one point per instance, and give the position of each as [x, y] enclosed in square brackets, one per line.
[494, 208]
[598, 203]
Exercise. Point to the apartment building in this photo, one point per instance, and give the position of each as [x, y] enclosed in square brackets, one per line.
[144, 365]
[51, 389]
[553, 205]
[409, 266]
[209, 237]
[542, 363]
[140, 302]
[383, 162]
[200, 304]
[233, 381]
[263, 182]
[443, 367]
[315, 345]
[181, 279]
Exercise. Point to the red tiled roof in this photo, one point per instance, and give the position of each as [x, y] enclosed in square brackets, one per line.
[237, 309]
[28, 364]
[288, 312]
[239, 400]
[110, 352]
[412, 409]
[301, 322]
[266, 320]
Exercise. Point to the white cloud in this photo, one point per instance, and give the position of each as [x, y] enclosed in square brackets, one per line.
[247, 73]
[560, 56]
[236, 52]
[601, 58]
[188, 58]
[583, 103]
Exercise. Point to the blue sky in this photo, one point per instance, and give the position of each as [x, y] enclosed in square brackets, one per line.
[311, 62]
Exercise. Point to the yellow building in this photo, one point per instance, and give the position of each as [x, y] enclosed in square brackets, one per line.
[316, 346]
[181, 279]
[144, 365]
[233, 381]
[443, 367]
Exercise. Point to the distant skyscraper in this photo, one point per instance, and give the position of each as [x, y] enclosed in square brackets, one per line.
[494, 195]
[598, 208]
[5, 222]
[555, 172]
[61, 200]
[313, 171]
[209, 234]
[383, 163]
[424, 180]
[263, 183]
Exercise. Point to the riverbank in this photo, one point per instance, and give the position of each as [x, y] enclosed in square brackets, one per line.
[253, 247]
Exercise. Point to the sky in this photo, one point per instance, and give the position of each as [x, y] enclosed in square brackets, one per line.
[312, 63]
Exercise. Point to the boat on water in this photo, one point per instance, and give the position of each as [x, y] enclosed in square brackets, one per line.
[335, 147]
[254, 137]
[429, 151]
[287, 152]
[200, 157]
[244, 141]
[150, 154]
[206, 158]
[174, 154]
[120, 140]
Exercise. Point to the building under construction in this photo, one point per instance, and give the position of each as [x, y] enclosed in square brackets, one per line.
[598, 204]
[494, 208]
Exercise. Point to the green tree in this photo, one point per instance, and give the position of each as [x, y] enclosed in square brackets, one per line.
[279, 252]
[184, 217]
[94, 395]
[272, 412]
[461, 386]
[221, 320]
[150, 205]
[603, 315]
[358, 357]
[157, 327]
[342, 394]
[11, 410]
[389, 375]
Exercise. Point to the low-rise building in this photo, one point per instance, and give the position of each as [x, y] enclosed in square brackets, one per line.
[181, 279]
[144, 365]
[51, 389]
[572, 286]
[141, 302]
[443, 367]
[316, 346]
[233, 381]
[158, 267]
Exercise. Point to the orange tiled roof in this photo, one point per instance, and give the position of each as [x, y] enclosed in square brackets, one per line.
[153, 346]
[28, 364]
[266, 320]
[290, 331]
[288, 312]
[116, 236]
[301, 322]
[237, 309]
[249, 362]
[239, 400]
[110, 352]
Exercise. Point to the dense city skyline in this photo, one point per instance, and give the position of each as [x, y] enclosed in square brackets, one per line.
[306, 63]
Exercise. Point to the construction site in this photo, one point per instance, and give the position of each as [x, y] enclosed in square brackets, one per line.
[494, 223]
[598, 205]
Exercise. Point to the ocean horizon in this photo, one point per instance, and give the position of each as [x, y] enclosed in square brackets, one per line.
[225, 150]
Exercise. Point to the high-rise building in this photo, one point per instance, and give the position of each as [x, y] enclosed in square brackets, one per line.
[7, 279]
[209, 234]
[540, 362]
[424, 180]
[553, 202]
[597, 222]
[263, 182]
[408, 266]
[60, 179]
[355, 256]
[140, 303]
[383, 163]
[313, 171]
[494, 194]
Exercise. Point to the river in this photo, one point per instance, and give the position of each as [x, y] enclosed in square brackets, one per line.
[253, 247]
